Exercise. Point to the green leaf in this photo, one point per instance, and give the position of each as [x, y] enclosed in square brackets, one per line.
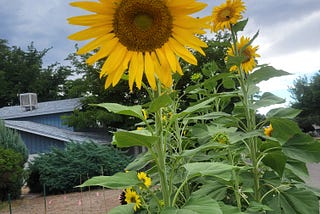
[227, 209]
[289, 113]
[253, 90]
[295, 200]
[172, 210]
[284, 129]
[160, 102]
[276, 160]
[120, 180]
[209, 146]
[191, 109]
[127, 139]
[239, 26]
[240, 136]
[267, 99]
[203, 205]
[123, 209]
[234, 60]
[211, 116]
[298, 168]
[135, 111]
[257, 207]
[302, 147]
[228, 83]
[265, 73]
[213, 189]
[140, 162]
[215, 169]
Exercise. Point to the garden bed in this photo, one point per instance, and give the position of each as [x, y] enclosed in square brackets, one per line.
[94, 201]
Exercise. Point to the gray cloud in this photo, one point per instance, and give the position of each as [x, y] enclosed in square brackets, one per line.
[288, 25]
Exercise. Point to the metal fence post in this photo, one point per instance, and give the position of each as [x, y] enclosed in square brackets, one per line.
[9, 201]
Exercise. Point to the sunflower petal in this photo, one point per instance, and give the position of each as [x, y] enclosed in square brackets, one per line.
[90, 33]
[95, 43]
[170, 57]
[104, 51]
[139, 73]
[149, 70]
[182, 51]
[95, 7]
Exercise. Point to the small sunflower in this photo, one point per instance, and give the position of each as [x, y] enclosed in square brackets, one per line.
[141, 36]
[268, 130]
[227, 14]
[144, 178]
[131, 196]
[249, 54]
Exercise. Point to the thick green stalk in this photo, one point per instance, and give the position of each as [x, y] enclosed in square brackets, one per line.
[253, 151]
[236, 181]
[251, 123]
[161, 151]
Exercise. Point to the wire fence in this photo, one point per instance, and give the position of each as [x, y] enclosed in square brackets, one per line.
[96, 201]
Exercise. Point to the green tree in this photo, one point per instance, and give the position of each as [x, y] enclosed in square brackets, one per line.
[22, 71]
[11, 174]
[306, 95]
[13, 156]
[10, 139]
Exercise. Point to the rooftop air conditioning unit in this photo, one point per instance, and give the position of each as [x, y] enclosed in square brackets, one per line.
[28, 101]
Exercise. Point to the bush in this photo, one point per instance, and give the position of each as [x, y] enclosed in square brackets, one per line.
[10, 139]
[11, 173]
[62, 170]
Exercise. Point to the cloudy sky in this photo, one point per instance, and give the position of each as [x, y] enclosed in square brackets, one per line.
[289, 36]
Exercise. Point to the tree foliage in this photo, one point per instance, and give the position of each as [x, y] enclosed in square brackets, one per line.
[10, 139]
[306, 95]
[13, 156]
[11, 173]
[22, 71]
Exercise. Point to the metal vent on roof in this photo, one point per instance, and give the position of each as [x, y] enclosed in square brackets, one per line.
[28, 101]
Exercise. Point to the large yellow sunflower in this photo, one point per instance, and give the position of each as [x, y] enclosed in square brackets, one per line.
[141, 36]
[226, 14]
[131, 196]
[249, 54]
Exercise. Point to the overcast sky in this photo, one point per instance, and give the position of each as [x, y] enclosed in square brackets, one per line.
[289, 36]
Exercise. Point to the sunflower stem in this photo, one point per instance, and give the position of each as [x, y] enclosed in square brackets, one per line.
[161, 149]
[246, 100]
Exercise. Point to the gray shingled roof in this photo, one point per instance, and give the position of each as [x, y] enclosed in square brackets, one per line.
[50, 107]
[56, 133]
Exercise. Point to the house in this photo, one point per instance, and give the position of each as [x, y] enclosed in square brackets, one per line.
[40, 124]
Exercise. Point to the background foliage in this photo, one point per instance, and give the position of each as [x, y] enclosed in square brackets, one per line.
[13, 156]
[62, 170]
[23, 71]
[11, 173]
[306, 95]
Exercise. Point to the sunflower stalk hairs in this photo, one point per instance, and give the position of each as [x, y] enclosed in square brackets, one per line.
[215, 155]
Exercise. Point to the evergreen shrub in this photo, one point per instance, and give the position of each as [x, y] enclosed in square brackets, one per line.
[10, 139]
[11, 173]
[61, 170]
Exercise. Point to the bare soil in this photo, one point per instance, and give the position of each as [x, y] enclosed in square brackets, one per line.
[89, 202]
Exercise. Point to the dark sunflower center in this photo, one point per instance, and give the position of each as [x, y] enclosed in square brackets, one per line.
[143, 21]
[133, 199]
[247, 56]
[142, 25]
[226, 14]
